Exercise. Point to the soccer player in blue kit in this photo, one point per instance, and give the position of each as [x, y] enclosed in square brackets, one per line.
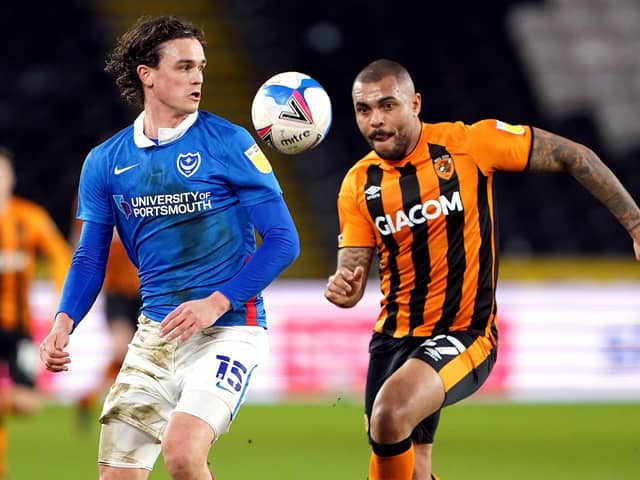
[185, 190]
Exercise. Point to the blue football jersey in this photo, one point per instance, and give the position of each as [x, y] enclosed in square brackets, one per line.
[179, 208]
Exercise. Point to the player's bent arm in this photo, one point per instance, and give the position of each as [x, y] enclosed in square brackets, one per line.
[352, 257]
[346, 286]
[279, 248]
[553, 153]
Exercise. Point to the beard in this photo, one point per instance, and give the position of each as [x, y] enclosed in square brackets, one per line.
[395, 152]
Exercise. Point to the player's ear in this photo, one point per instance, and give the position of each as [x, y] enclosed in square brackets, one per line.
[417, 104]
[145, 75]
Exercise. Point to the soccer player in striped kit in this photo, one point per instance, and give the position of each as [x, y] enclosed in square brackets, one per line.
[27, 234]
[185, 190]
[423, 200]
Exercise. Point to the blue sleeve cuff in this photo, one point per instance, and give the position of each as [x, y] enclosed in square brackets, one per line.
[279, 248]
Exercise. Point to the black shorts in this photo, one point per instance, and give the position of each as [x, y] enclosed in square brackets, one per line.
[462, 360]
[118, 305]
[17, 353]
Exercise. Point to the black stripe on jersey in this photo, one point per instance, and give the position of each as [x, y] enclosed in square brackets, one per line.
[456, 260]
[21, 280]
[375, 207]
[410, 189]
[484, 303]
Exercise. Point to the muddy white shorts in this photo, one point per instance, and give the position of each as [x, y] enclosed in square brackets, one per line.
[207, 377]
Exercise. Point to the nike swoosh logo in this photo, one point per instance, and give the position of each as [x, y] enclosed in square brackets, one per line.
[118, 171]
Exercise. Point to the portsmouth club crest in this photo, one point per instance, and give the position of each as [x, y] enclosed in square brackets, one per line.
[188, 163]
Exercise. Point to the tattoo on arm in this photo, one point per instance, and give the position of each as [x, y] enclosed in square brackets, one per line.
[351, 257]
[553, 153]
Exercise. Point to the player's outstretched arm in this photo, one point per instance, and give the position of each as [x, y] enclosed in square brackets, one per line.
[553, 153]
[346, 286]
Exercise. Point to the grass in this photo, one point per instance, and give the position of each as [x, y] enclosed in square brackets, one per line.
[326, 441]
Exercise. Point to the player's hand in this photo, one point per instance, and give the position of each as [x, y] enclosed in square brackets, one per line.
[344, 288]
[52, 349]
[636, 249]
[192, 316]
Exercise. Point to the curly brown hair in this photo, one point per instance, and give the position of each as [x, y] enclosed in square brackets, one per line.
[142, 45]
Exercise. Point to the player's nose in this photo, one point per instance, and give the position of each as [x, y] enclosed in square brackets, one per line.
[377, 118]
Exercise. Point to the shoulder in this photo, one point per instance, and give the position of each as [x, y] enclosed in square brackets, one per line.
[496, 130]
[356, 176]
[113, 142]
[28, 208]
[216, 124]
[464, 135]
[363, 164]
[446, 133]
[222, 131]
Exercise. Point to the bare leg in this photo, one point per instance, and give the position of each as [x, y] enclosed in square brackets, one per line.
[185, 446]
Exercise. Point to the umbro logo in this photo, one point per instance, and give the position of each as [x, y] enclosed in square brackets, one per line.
[118, 170]
[372, 192]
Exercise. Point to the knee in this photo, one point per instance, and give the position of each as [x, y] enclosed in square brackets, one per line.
[108, 473]
[179, 460]
[389, 423]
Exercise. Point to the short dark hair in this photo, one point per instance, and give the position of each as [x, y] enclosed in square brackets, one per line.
[141, 45]
[378, 69]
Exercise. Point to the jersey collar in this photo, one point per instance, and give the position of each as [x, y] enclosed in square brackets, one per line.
[165, 135]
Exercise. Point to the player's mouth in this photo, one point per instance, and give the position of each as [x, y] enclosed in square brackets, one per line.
[195, 96]
[380, 136]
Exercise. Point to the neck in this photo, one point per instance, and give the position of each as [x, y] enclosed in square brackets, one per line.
[4, 202]
[416, 136]
[155, 118]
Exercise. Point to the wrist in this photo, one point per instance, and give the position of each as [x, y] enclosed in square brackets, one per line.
[64, 322]
[220, 303]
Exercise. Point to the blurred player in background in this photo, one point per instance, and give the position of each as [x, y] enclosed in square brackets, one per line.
[423, 199]
[185, 190]
[121, 307]
[122, 302]
[27, 233]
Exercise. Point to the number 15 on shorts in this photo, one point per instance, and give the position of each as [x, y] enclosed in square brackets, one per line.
[231, 374]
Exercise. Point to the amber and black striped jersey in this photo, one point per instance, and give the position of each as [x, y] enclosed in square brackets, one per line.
[26, 231]
[431, 218]
[121, 276]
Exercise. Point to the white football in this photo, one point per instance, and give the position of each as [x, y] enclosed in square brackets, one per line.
[291, 112]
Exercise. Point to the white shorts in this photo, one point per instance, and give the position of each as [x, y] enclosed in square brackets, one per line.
[207, 377]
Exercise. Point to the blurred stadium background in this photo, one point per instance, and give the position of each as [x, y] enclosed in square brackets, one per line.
[570, 290]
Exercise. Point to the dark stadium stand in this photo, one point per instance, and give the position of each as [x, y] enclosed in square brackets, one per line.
[56, 103]
[467, 67]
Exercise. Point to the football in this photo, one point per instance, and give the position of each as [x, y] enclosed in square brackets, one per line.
[291, 112]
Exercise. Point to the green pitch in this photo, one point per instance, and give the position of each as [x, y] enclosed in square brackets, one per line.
[326, 441]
